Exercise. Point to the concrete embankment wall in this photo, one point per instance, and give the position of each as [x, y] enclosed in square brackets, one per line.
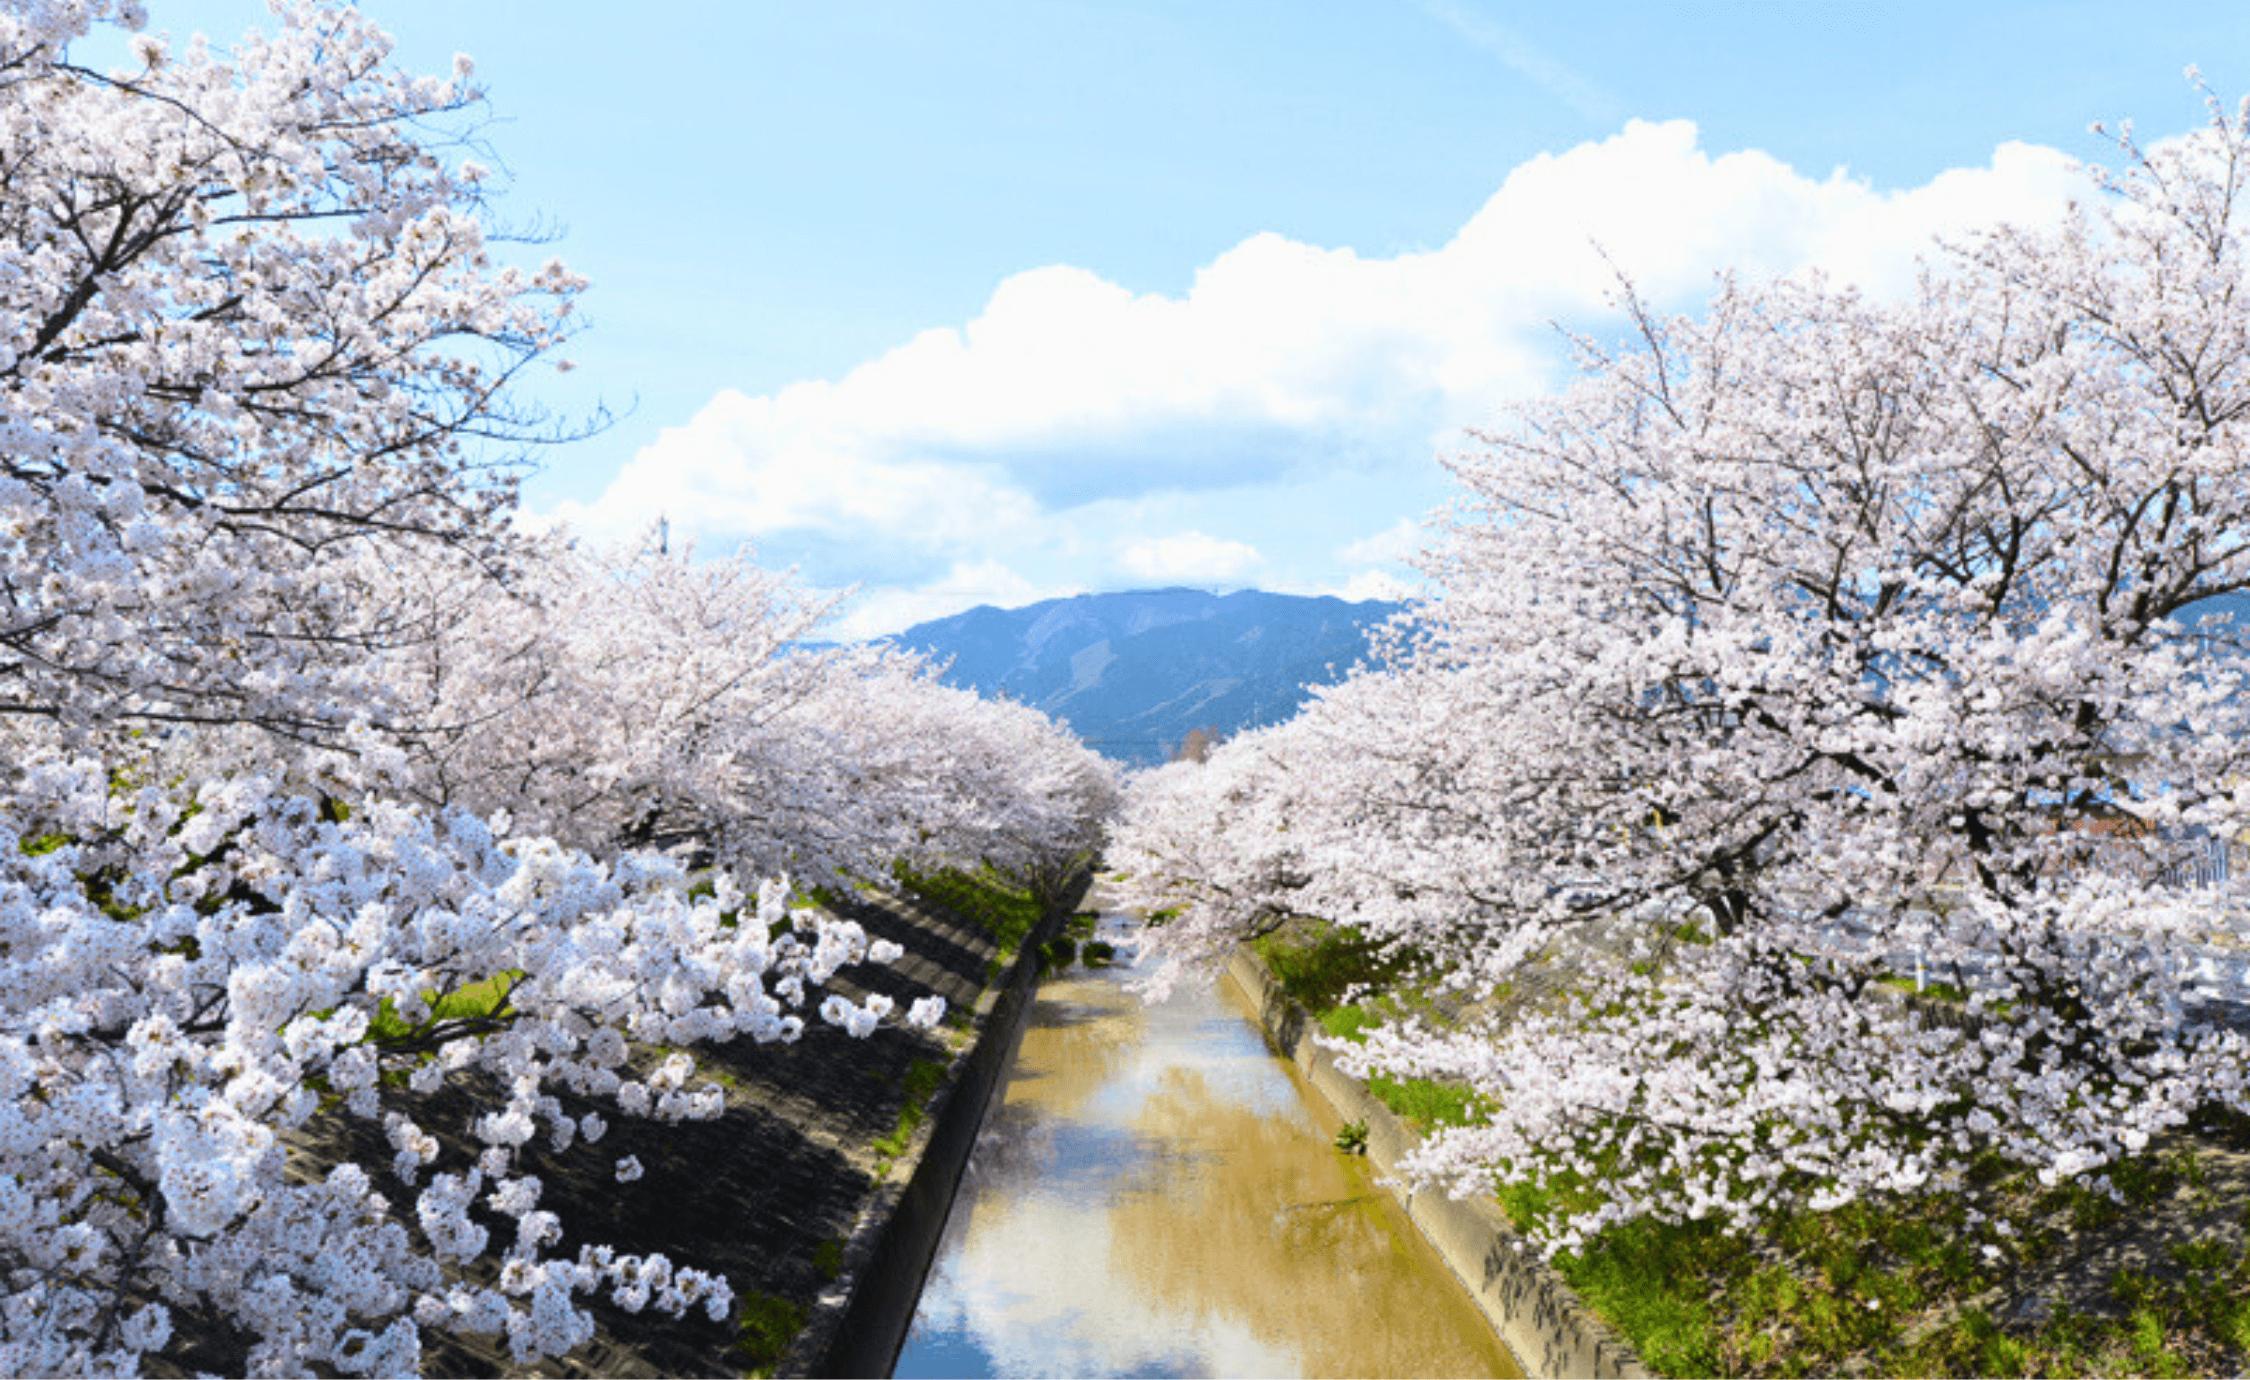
[858, 1325]
[1549, 1328]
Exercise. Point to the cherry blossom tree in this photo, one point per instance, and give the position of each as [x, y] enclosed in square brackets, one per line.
[1799, 643]
[945, 777]
[645, 697]
[251, 326]
[603, 696]
[1209, 847]
[275, 670]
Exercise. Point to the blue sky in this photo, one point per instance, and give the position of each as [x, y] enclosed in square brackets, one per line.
[990, 301]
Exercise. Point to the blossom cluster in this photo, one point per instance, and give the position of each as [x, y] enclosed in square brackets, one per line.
[178, 996]
[1802, 648]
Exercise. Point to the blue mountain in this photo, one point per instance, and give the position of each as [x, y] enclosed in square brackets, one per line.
[1134, 674]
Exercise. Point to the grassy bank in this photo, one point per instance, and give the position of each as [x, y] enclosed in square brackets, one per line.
[1321, 965]
[1002, 906]
[2155, 1282]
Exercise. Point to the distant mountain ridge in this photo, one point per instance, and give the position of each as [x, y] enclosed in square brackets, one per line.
[1135, 673]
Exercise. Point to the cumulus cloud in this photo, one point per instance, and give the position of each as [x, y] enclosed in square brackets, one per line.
[1282, 362]
[750, 467]
[1394, 544]
[1373, 561]
[967, 584]
[1193, 557]
[1370, 584]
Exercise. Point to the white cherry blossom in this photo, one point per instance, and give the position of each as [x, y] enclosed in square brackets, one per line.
[1802, 645]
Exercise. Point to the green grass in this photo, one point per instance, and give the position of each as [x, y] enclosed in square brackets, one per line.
[828, 1259]
[1624, 1279]
[2194, 1322]
[1424, 1103]
[999, 905]
[1931, 989]
[768, 1326]
[479, 1001]
[1319, 966]
[1348, 1022]
[1890, 1288]
[922, 1079]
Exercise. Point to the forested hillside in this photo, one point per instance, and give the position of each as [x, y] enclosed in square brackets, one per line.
[1135, 673]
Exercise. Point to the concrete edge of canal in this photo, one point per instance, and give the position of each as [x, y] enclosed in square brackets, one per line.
[858, 1324]
[1548, 1327]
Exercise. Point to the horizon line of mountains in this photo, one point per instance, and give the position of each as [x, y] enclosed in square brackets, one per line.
[1134, 674]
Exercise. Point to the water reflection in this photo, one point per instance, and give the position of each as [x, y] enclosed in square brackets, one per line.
[1153, 1197]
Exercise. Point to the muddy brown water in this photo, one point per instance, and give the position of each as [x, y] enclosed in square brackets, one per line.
[1155, 1194]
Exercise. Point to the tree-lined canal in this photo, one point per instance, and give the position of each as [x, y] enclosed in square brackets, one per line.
[1155, 1194]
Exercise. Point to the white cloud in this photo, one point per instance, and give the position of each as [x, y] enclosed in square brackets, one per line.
[754, 467]
[968, 584]
[1283, 362]
[1393, 545]
[1371, 584]
[1193, 557]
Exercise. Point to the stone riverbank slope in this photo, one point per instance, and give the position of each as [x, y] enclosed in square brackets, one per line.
[789, 1193]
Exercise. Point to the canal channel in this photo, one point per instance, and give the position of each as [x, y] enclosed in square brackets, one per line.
[1153, 1193]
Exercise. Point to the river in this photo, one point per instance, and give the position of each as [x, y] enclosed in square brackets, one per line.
[1155, 1194]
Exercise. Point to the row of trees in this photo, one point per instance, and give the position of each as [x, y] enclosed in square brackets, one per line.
[298, 732]
[1796, 643]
